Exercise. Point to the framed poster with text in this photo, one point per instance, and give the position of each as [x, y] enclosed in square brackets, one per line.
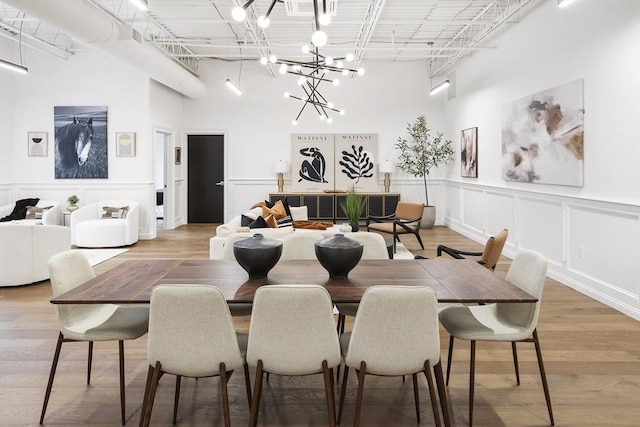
[312, 167]
[356, 162]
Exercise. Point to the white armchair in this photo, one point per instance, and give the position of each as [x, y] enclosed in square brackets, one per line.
[90, 230]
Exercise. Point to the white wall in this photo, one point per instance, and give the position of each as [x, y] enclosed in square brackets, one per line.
[590, 234]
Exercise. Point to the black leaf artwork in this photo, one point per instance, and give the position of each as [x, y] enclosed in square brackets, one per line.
[357, 164]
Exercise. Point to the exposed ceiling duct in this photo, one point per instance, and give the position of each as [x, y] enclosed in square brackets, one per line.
[86, 24]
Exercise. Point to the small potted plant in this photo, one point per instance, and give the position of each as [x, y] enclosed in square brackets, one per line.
[352, 206]
[73, 203]
[419, 155]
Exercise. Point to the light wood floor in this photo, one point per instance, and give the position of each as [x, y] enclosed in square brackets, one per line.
[591, 354]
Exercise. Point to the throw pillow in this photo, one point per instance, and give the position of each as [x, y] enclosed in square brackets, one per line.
[278, 211]
[20, 209]
[299, 213]
[111, 212]
[285, 222]
[246, 221]
[34, 212]
[271, 220]
[259, 223]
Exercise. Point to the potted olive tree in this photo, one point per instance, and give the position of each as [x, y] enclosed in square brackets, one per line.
[352, 206]
[420, 154]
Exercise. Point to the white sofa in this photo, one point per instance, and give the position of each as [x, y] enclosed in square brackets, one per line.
[25, 249]
[90, 230]
[51, 216]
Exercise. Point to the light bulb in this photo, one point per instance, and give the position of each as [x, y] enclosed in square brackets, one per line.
[319, 38]
[283, 69]
[349, 57]
[345, 72]
[329, 120]
[342, 112]
[328, 60]
[361, 71]
[286, 94]
[339, 64]
[336, 82]
[273, 59]
[264, 60]
[294, 122]
[324, 19]
[306, 48]
[302, 80]
[330, 104]
[321, 117]
[263, 22]
[238, 13]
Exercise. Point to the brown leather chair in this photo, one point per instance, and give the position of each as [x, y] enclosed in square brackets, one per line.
[488, 257]
[405, 220]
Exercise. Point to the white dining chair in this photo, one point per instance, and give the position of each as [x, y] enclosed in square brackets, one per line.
[507, 322]
[292, 333]
[191, 334]
[90, 322]
[384, 343]
[300, 245]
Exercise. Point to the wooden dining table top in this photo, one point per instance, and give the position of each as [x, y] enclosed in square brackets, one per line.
[131, 282]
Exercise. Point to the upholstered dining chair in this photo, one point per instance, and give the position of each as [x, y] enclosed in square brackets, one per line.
[191, 334]
[89, 322]
[374, 248]
[292, 333]
[489, 257]
[507, 322]
[300, 245]
[383, 343]
[405, 220]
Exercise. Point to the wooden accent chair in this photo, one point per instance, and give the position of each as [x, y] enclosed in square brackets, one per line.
[502, 321]
[191, 334]
[405, 220]
[89, 322]
[383, 343]
[489, 257]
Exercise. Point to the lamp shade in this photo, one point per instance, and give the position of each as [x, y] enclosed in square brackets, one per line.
[386, 166]
[281, 166]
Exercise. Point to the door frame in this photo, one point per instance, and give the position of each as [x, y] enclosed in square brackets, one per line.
[225, 172]
[169, 178]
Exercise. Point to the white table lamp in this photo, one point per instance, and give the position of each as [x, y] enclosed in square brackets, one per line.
[386, 167]
[281, 167]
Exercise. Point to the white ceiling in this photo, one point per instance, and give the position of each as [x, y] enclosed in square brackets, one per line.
[189, 31]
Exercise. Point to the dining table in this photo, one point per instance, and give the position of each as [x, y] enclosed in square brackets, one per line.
[453, 281]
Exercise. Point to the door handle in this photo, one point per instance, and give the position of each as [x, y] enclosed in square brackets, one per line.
[220, 184]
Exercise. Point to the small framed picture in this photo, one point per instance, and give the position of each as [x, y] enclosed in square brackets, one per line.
[37, 143]
[469, 153]
[125, 144]
[178, 155]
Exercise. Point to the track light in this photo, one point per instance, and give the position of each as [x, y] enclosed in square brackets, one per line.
[442, 86]
[233, 87]
[13, 67]
[143, 5]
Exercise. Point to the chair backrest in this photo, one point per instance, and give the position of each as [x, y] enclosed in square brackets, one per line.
[374, 245]
[300, 245]
[191, 331]
[68, 270]
[493, 249]
[396, 330]
[292, 330]
[407, 211]
[528, 271]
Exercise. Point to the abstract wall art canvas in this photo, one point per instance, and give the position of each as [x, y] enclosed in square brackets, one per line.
[356, 162]
[469, 153]
[312, 167]
[37, 143]
[80, 142]
[125, 144]
[543, 137]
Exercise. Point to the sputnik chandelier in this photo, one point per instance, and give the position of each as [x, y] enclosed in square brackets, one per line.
[310, 75]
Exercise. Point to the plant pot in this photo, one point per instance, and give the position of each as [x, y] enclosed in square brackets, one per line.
[355, 226]
[257, 255]
[428, 217]
[72, 208]
[338, 255]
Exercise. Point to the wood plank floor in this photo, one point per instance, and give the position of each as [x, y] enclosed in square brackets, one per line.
[591, 354]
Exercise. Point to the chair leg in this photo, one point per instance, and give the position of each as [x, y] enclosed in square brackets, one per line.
[472, 374]
[176, 398]
[361, 374]
[247, 383]
[52, 374]
[419, 238]
[442, 392]
[343, 391]
[225, 395]
[328, 389]
[145, 399]
[543, 375]
[122, 396]
[152, 395]
[514, 350]
[432, 393]
[416, 396]
[257, 390]
[89, 360]
[449, 357]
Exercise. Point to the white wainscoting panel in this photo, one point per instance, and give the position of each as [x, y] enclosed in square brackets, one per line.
[473, 211]
[501, 214]
[540, 227]
[453, 197]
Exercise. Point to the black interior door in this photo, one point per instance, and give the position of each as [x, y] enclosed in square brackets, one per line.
[206, 178]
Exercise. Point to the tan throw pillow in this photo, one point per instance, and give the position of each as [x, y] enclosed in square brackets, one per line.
[278, 211]
[271, 220]
[34, 212]
[111, 212]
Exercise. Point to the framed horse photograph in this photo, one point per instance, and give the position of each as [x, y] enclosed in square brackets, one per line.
[80, 142]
